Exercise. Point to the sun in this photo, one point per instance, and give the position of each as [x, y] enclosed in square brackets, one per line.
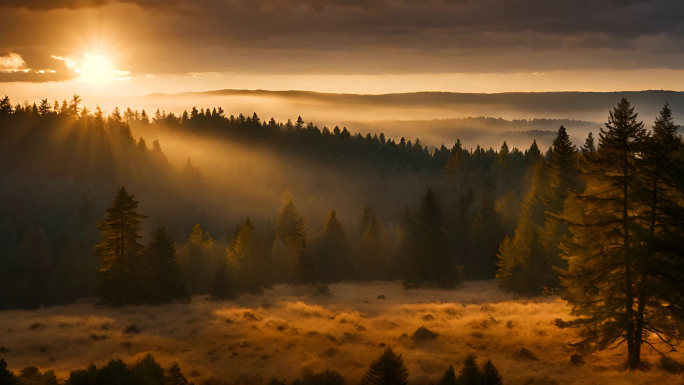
[96, 69]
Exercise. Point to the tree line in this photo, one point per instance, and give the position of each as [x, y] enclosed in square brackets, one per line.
[61, 163]
[600, 225]
[387, 369]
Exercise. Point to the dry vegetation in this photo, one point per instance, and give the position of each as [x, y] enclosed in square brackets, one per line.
[289, 329]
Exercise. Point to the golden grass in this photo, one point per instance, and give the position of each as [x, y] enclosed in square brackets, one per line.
[287, 329]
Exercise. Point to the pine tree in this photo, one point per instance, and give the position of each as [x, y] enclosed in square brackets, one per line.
[488, 232]
[163, 278]
[291, 228]
[5, 107]
[371, 255]
[470, 374]
[604, 274]
[490, 376]
[119, 252]
[247, 252]
[387, 369]
[148, 372]
[174, 375]
[525, 261]
[533, 155]
[430, 259]
[564, 166]
[198, 261]
[660, 291]
[331, 251]
[449, 377]
[44, 108]
[291, 232]
[589, 146]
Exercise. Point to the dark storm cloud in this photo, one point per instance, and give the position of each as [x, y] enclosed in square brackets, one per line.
[619, 18]
[357, 36]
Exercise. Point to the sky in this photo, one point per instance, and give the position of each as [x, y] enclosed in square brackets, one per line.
[54, 48]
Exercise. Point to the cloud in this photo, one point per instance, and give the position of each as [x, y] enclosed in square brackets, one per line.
[359, 37]
[13, 68]
[51, 4]
[39, 76]
[11, 62]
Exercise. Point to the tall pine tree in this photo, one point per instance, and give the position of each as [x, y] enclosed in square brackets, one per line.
[605, 271]
[119, 252]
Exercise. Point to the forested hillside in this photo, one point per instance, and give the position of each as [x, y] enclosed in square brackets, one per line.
[62, 166]
[600, 225]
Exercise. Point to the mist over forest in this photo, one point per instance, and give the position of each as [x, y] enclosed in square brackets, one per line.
[270, 226]
[427, 115]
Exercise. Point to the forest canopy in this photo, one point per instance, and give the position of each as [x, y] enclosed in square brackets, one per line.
[599, 224]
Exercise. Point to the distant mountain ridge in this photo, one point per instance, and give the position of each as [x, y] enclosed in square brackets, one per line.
[437, 117]
[579, 105]
[567, 100]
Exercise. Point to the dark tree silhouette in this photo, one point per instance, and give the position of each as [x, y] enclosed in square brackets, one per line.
[148, 372]
[6, 377]
[429, 258]
[387, 369]
[490, 376]
[120, 251]
[449, 377]
[163, 280]
[606, 273]
[470, 374]
[331, 251]
[174, 375]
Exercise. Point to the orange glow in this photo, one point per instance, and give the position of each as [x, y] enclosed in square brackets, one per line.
[95, 69]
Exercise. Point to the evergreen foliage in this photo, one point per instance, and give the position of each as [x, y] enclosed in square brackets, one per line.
[148, 372]
[429, 258]
[526, 260]
[174, 375]
[589, 146]
[371, 254]
[293, 261]
[332, 251]
[387, 369]
[490, 376]
[163, 279]
[470, 373]
[119, 252]
[249, 251]
[621, 285]
[198, 259]
[449, 377]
